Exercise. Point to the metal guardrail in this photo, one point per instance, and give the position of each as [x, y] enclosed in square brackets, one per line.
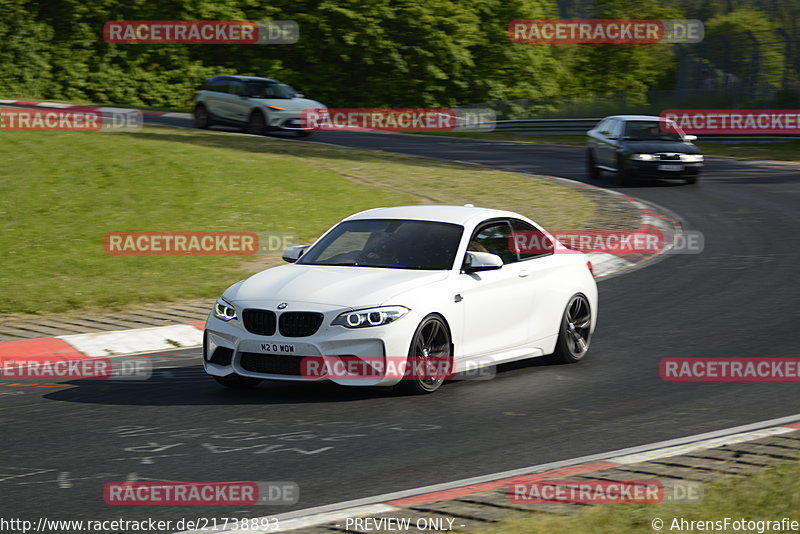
[581, 126]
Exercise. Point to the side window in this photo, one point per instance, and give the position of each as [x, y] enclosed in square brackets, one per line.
[494, 238]
[616, 128]
[237, 88]
[602, 126]
[218, 86]
[530, 241]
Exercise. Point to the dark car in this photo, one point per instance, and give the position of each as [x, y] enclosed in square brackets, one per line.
[641, 145]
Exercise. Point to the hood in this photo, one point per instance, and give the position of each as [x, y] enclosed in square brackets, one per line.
[292, 104]
[651, 147]
[339, 286]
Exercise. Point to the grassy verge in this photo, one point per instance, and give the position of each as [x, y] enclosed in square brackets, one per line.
[768, 495]
[781, 150]
[62, 192]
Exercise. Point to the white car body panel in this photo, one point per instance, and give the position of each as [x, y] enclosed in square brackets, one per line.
[494, 316]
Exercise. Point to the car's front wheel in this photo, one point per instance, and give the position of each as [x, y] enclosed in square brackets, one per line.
[237, 381]
[591, 166]
[692, 179]
[624, 174]
[304, 133]
[429, 357]
[575, 332]
[257, 124]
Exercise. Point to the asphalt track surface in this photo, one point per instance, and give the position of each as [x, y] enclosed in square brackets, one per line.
[62, 442]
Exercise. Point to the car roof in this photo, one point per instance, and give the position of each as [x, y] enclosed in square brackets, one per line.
[463, 215]
[636, 117]
[244, 78]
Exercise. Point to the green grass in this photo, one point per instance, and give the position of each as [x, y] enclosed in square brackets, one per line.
[778, 150]
[62, 192]
[771, 494]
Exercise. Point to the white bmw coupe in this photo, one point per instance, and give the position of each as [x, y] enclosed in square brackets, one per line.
[406, 296]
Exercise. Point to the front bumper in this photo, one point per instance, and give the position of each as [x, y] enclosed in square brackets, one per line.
[229, 348]
[663, 169]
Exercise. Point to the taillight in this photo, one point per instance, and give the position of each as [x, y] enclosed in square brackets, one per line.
[589, 266]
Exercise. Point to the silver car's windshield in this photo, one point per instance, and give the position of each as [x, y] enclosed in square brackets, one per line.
[390, 243]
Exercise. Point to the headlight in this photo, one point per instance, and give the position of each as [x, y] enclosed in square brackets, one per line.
[224, 310]
[643, 157]
[691, 158]
[370, 317]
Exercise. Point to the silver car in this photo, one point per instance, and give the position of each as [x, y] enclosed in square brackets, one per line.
[257, 105]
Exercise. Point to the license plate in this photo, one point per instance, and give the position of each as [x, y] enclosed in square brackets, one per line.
[670, 167]
[278, 348]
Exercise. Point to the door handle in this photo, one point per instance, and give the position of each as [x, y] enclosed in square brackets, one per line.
[522, 273]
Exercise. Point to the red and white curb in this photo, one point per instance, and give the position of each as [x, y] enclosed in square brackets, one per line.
[58, 105]
[396, 501]
[104, 344]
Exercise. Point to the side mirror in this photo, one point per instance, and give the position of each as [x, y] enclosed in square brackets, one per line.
[299, 95]
[690, 137]
[292, 254]
[611, 136]
[481, 261]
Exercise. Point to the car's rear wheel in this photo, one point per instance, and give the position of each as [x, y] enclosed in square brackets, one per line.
[237, 381]
[303, 133]
[591, 167]
[257, 124]
[202, 119]
[429, 357]
[575, 332]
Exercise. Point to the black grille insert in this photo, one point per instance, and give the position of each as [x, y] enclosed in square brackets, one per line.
[222, 356]
[261, 322]
[272, 364]
[299, 324]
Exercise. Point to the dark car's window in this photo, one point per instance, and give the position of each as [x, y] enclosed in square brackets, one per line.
[494, 238]
[392, 243]
[270, 90]
[615, 128]
[602, 126]
[650, 131]
[531, 242]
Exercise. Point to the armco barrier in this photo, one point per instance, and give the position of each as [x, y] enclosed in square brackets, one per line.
[581, 126]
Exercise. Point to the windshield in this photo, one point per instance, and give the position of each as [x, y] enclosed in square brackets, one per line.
[270, 90]
[652, 131]
[390, 243]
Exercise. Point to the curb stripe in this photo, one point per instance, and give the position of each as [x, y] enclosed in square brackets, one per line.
[114, 343]
[41, 347]
[499, 483]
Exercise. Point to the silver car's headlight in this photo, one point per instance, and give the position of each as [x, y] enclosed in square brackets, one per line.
[643, 157]
[224, 310]
[691, 158]
[371, 317]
